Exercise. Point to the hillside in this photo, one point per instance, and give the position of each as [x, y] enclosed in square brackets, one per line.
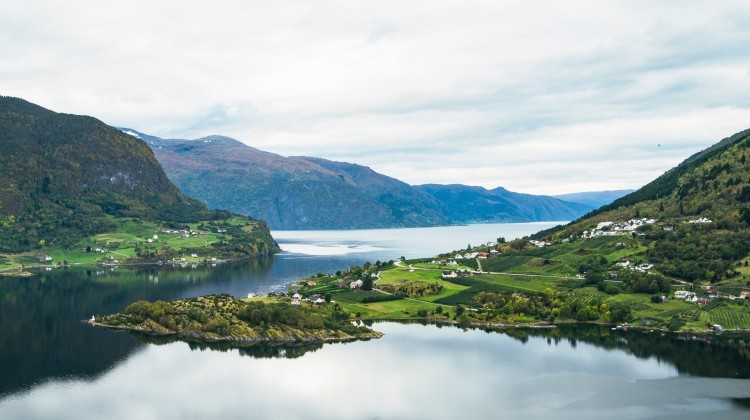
[467, 204]
[68, 177]
[701, 210]
[311, 193]
[594, 199]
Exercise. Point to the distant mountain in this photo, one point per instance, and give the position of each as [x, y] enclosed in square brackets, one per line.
[467, 204]
[292, 192]
[311, 193]
[594, 199]
[66, 177]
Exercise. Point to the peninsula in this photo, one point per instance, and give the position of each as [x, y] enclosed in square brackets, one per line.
[223, 318]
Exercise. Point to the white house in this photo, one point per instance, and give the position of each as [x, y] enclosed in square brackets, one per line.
[356, 283]
[681, 294]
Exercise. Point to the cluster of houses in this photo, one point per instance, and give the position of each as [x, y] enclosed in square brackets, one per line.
[641, 268]
[467, 256]
[539, 244]
[184, 233]
[97, 249]
[316, 298]
[617, 228]
[701, 220]
[444, 262]
[461, 272]
[690, 297]
[708, 294]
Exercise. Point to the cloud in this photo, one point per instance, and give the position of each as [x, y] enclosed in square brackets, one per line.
[531, 96]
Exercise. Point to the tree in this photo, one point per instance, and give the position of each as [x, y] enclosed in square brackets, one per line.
[367, 283]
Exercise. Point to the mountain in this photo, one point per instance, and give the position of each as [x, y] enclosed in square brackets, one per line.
[467, 204]
[594, 199]
[291, 192]
[301, 192]
[66, 177]
[699, 211]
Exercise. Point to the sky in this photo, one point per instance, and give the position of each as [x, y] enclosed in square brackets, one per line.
[542, 97]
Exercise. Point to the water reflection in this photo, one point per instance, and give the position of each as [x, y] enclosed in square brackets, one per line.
[415, 371]
[254, 350]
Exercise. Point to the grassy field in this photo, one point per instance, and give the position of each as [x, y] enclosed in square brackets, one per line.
[401, 274]
[122, 244]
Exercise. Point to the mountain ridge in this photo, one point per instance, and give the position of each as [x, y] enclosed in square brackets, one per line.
[302, 192]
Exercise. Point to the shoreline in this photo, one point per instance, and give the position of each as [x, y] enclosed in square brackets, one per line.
[128, 264]
[237, 340]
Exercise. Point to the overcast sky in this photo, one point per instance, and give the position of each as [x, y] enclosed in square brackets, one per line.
[536, 96]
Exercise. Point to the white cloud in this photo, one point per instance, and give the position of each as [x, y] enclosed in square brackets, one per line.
[534, 96]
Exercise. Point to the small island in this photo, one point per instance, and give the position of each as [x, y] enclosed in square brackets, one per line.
[223, 318]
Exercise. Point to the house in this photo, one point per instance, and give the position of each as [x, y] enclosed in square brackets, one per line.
[712, 293]
[623, 263]
[356, 284]
[458, 257]
[450, 274]
[318, 299]
[681, 294]
[745, 294]
[452, 262]
[482, 256]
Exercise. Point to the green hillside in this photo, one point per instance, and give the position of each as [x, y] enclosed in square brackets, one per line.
[66, 178]
[713, 185]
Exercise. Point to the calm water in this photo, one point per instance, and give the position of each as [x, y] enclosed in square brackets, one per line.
[53, 366]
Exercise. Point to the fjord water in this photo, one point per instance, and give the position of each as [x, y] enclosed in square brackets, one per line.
[54, 366]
